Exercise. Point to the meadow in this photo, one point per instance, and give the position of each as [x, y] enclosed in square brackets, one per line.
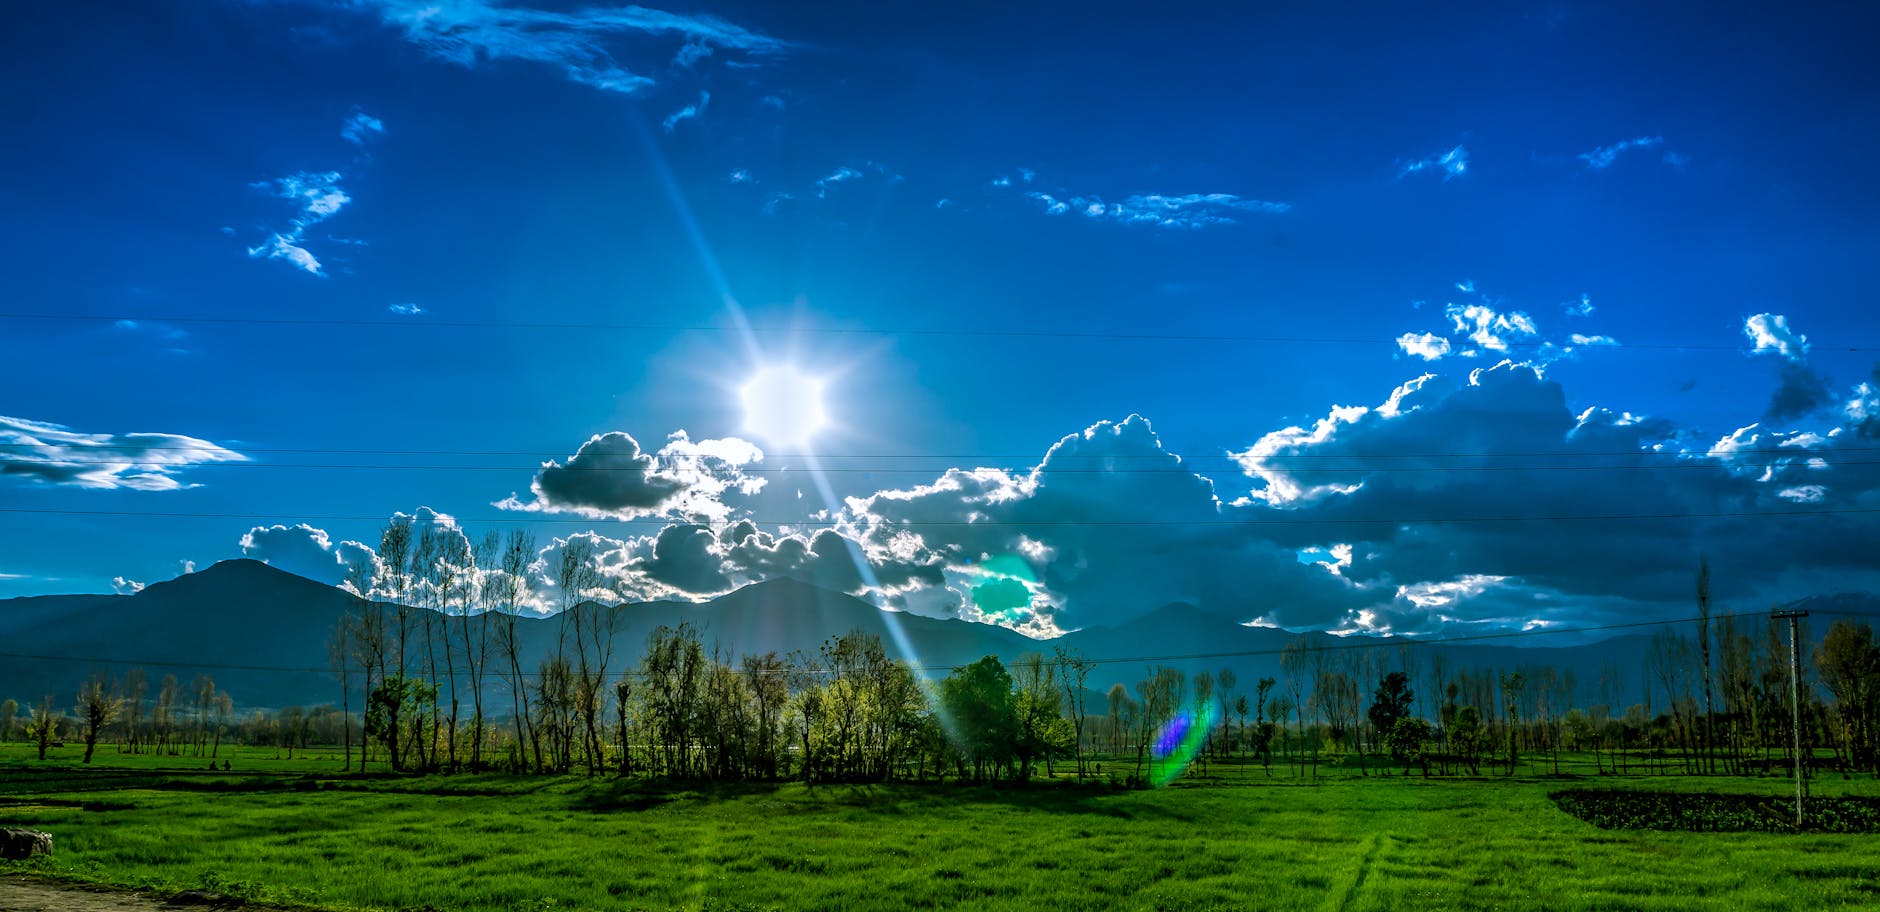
[300, 833]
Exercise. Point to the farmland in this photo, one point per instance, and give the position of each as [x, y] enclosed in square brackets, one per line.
[301, 833]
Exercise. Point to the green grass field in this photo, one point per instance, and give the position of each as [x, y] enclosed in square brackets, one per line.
[297, 833]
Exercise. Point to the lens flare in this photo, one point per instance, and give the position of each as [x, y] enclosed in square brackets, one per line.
[1179, 742]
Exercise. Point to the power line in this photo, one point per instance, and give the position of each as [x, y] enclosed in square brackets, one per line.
[594, 325]
[562, 453]
[816, 523]
[779, 470]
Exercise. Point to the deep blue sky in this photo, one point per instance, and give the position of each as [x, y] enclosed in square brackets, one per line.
[899, 200]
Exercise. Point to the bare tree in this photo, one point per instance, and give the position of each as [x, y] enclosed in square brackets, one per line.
[42, 727]
[1703, 652]
[1072, 671]
[511, 592]
[97, 707]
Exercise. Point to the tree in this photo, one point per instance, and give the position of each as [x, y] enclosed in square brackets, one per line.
[97, 706]
[1391, 702]
[1849, 662]
[1408, 740]
[8, 711]
[510, 591]
[978, 701]
[1469, 737]
[1511, 687]
[1072, 671]
[1703, 651]
[42, 727]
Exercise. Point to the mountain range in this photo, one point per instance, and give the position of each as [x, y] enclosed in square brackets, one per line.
[263, 634]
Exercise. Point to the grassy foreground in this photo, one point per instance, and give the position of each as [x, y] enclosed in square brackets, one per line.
[268, 831]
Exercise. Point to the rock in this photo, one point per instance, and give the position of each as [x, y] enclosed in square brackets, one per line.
[18, 844]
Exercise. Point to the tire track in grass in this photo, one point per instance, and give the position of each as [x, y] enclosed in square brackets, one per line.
[1343, 900]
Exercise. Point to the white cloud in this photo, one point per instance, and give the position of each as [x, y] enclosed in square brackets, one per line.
[1453, 163]
[1771, 334]
[1602, 158]
[304, 550]
[1488, 328]
[688, 112]
[55, 454]
[1581, 308]
[360, 127]
[581, 44]
[123, 586]
[1579, 339]
[741, 176]
[405, 310]
[1428, 346]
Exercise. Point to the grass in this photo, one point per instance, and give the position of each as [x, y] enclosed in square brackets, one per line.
[297, 833]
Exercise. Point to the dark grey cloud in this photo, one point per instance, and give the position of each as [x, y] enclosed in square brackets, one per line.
[610, 476]
[1800, 390]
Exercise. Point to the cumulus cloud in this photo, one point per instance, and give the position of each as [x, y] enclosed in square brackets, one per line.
[1192, 210]
[1428, 346]
[306, 551]
[688, 112]
[55, 454]
[581, 44]
[360, 128]
[123, 586]
[611, 477]
[1453, 163]
[317, 196]
[1771, 335]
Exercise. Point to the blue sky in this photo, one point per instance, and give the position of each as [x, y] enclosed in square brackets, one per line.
[1095, 299]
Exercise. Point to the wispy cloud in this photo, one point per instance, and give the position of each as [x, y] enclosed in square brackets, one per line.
[1581, 308]
[1193, 210]
[582, 44]
[839, 175]
[1602, 158]
[1453, 163]
[688, 112]
[361, 127]
[405, 310]
[741, 176]
[317, 197]
[57, 455]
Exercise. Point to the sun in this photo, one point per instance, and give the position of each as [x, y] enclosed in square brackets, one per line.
[783, 405]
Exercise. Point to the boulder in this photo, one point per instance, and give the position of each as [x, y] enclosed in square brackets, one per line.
[19, 844]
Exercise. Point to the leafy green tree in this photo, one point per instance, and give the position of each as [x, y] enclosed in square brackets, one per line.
[979, 709]
[1408, 740]
[98, 704]
[11, 709]
[396, 705]
[1849, 662]
[1469, 737]
[1391, 702]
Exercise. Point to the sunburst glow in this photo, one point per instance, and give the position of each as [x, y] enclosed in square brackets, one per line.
[783, 405]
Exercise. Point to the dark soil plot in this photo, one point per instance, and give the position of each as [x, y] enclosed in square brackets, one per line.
[1717, 813]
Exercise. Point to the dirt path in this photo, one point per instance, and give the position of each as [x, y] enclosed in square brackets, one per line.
[26, 894]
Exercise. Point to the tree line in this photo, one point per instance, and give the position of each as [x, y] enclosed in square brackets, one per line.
[416, 695]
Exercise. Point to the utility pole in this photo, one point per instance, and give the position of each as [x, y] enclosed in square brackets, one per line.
[1794, 618]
